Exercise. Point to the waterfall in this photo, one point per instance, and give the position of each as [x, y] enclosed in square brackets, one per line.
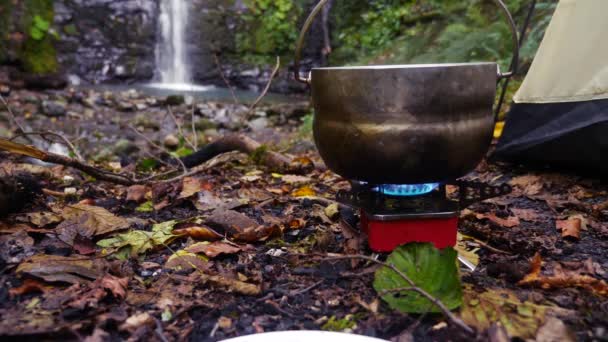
[171, 50]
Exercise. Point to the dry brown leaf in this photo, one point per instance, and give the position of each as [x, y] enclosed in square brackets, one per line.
[562, 279]
[199, 233]
[53, 268]
[86, 221]
[138, 193]
[41, 219]
[231, 221]
[509, 222]
[117, 286]
[233, 284]
[28, 286]
[102, 220]
[191, 186]
[295, 179]
[260, 233]
[529, 215]
[305, 191]
[214, 249]
[530, 184]
[570, 228]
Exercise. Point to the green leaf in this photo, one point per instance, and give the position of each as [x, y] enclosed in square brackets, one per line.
[521, 319]
[430, 269]
[41, 24]
[146, 207]
[141, 241]
[36, 34]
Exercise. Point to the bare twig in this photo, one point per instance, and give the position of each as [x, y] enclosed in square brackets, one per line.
[226, 82]
[450, 316]
[11, 114]
[179, 128]
[265, 91]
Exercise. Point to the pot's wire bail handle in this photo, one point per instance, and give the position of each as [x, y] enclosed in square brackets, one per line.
[308, 23]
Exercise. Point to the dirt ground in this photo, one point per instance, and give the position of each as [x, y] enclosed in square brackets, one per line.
[239, 248]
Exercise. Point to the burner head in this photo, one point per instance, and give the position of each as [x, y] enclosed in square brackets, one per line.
[405, 190]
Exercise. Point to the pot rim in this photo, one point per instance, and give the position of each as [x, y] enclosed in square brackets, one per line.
[406, 66]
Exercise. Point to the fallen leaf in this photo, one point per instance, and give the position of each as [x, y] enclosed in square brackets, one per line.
[529, 184]
[199, 233]
[305, 191]
[570, 228]
[54, 268]
[332, 210]
[138, 193]
[520, 319]
[138, 242]
[190, 187]
[16, 247]
[214, 249]
[136, 321]
[116, 286]
[28, 286]
[295, 179]
[433, 270]
[41, 219]
[554, 330]
[146, 207]
[230, 221]
[259, 233]
[509, 222]
[529, 215]
[562, 279]
[237, 286]
[88, 221]
[185, 260]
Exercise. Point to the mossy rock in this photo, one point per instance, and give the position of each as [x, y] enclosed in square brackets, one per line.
[38, 54]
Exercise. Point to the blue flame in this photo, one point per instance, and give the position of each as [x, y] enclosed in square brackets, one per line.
[406, 189]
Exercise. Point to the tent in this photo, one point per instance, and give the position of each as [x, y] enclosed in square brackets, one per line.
[560, 113]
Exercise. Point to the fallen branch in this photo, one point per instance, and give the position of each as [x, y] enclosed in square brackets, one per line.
[449, 315]
[53, 158]
[242, 143]
[44, 135]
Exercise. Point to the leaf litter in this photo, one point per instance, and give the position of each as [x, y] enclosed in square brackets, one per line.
[236, 242]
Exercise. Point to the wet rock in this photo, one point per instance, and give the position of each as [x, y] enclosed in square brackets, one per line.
[171, 142]
[174, 100]
[141, 106]
[53, 108]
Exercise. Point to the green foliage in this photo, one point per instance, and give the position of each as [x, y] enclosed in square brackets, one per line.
[269, 27]
[39, 28]
[433, 31]
[335, 324]
[430, 269]
[38, 54]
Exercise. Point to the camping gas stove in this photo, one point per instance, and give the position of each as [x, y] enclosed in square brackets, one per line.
[393, 215]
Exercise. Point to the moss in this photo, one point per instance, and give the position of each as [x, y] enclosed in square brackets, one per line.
[39, 55]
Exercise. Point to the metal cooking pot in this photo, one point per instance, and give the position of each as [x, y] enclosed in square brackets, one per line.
[403, 124]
